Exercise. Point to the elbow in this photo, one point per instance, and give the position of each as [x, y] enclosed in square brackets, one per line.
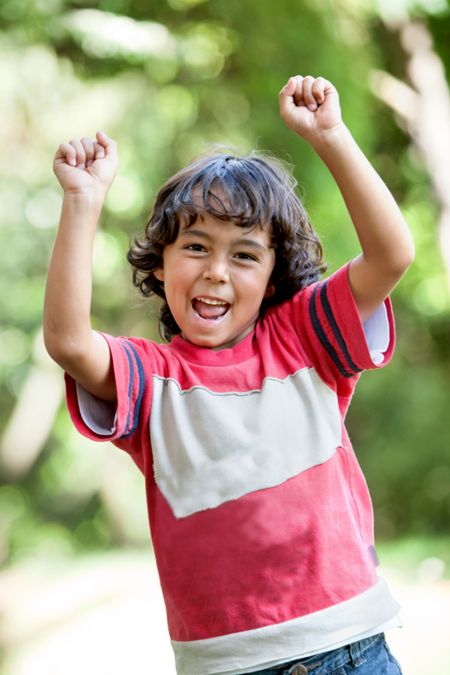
[57, 350]
[401, 259]
[63, 349]
[51, 341]
[406, 257]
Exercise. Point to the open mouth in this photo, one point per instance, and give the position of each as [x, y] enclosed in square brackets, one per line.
[210, 308]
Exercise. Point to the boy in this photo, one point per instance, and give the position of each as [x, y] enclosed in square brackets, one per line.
[259, 513]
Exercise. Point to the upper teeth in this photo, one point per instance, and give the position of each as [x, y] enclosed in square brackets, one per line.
[210, 301]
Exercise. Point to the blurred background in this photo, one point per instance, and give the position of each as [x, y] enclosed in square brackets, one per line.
[78, 588]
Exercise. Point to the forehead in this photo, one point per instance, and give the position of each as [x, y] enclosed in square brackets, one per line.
[210, 227]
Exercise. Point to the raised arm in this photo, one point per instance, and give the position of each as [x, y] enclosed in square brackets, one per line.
[310, 107]
[85, 168]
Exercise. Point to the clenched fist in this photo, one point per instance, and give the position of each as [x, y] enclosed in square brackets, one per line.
[310, 107]
[85, 165]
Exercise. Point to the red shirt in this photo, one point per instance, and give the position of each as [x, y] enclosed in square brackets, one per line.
[260, 515]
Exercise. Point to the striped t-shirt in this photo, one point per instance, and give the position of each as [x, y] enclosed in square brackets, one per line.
[260, 515]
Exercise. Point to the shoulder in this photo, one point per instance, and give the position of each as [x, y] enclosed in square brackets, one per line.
[325, 319]
[319, 296]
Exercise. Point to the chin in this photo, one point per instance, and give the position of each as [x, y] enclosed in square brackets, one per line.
[209, 341]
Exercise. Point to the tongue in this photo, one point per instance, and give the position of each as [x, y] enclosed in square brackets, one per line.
[207, 311]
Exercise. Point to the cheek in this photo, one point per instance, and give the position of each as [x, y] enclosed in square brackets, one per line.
[266, 279]
[177, 287]
[255, 291]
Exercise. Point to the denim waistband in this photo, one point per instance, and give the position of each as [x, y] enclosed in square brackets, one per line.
[332, 660]
[326, 661]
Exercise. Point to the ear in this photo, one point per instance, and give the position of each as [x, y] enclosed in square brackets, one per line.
[159, 274]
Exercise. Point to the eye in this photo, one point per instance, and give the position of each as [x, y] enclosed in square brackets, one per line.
[246, 256]
[198, 248]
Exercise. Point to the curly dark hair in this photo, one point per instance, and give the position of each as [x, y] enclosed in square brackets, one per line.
[251, 190]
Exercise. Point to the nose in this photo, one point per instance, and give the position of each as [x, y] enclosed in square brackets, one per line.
[216, 270]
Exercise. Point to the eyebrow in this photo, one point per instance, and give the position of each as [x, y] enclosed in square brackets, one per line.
[239, 242]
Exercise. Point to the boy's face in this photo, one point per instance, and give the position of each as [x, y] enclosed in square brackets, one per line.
[215, 278]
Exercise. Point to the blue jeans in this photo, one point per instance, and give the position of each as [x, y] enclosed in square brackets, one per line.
[367, 657]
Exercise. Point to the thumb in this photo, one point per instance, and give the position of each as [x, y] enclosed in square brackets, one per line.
[289, 87]
[286, 96]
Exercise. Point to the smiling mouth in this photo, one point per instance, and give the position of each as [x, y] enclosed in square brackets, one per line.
[209, 308]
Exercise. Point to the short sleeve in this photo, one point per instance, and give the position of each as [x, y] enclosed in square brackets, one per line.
[339, 344]
[100, 420]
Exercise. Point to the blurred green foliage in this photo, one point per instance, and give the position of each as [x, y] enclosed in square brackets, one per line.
[166, 79]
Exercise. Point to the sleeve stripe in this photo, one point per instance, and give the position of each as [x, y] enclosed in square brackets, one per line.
[137, 407]
[323, 338]
[335, 328]
[130, 351]
[130, 386]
